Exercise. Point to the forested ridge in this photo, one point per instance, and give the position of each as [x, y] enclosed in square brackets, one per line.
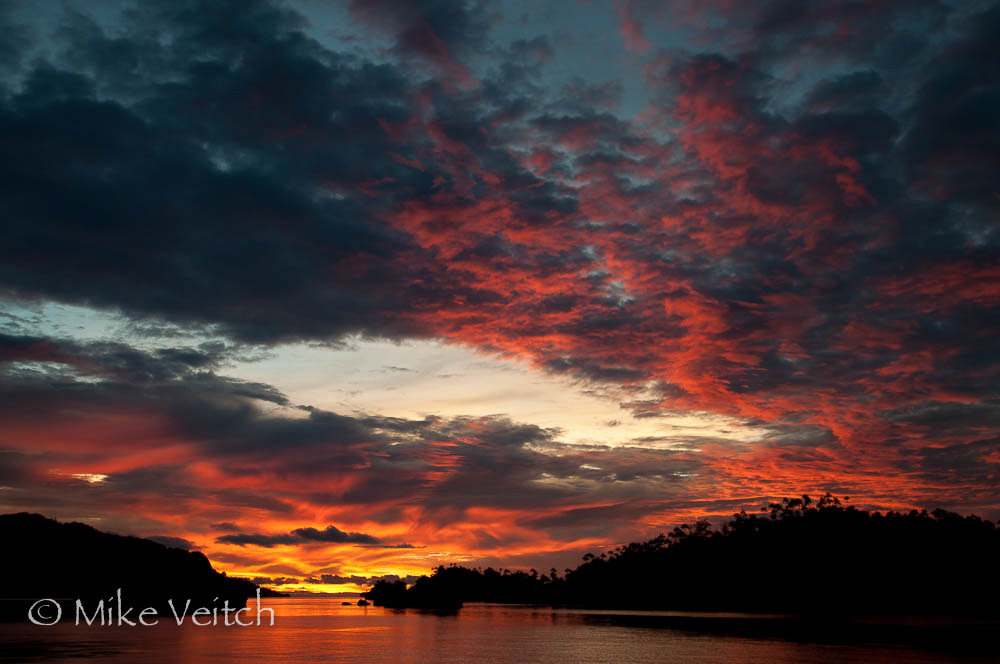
[797, 556]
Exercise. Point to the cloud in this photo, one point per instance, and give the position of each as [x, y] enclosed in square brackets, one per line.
[225, 526]
[274, 581]
[631, 28]
[435, 31]
[440, 466]
[242, 539]
[334, 535]
[359, 580]
[329, 535]
[796, 231]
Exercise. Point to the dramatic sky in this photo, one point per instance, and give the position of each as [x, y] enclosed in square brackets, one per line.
[336, 290]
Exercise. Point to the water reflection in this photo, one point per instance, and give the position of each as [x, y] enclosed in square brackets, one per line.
[320, 630]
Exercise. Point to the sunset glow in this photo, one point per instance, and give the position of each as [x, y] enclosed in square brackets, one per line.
[335, 291]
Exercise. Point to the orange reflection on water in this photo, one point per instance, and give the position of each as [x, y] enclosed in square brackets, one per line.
[322, 630]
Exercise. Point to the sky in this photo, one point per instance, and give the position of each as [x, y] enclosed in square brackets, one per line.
[335, 291]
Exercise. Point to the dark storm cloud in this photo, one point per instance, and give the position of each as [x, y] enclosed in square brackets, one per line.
[126, 363]
[17, 38]
[435, 29]
[75, 375]
[853, 113]
[268, 541]
[225, 526]
[334, 534]
[176, 171]
[152, 166]
[948, 416]
[159, 205]
[329, 535]
[594, 370]
[954, 128]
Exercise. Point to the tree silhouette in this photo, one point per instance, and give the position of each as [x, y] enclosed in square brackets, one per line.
[797, 556]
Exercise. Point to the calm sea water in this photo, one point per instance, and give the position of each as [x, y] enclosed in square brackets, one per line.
[321, 630]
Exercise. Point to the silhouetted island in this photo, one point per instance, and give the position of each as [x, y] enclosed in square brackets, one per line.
[43, 558]
[440, 592]
[799, 557]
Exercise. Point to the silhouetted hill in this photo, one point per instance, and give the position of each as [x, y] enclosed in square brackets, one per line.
[797, 557]
[43, 558]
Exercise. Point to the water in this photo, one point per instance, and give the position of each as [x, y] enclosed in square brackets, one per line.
[321, 630]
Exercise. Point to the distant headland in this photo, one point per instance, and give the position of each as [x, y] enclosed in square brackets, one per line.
[44, 558]
[799, 557]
